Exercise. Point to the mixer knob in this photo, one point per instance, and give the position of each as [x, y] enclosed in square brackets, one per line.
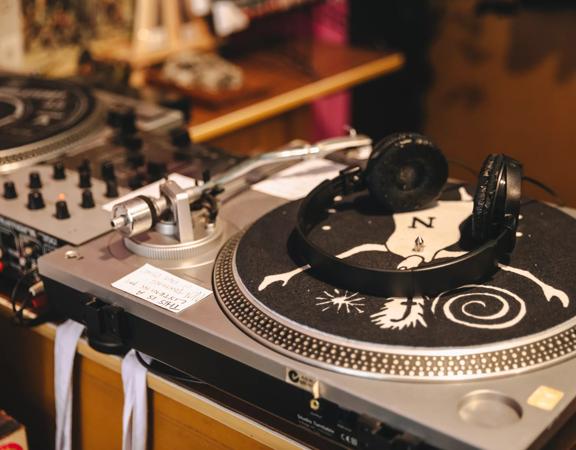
[123, 118]
[111, 189]
[136, 182]
[180, 137]
[107, 171]
[85, 166]
[206, 175]
[156, 170]
[35, 200]
[10, 190]
[84, 180]
[35, 182]
[62, 208]
[132, 143]
[59, 172]
[135, 159]
[87, 199]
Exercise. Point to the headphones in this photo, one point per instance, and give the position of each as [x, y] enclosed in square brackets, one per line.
[407, 172]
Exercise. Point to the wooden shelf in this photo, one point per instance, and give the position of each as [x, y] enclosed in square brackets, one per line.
[335, 68]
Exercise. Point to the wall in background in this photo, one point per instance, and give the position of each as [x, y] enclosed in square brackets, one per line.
[507, 84]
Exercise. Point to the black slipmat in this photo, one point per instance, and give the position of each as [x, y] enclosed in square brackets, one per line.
[469, 328]
[33, 109]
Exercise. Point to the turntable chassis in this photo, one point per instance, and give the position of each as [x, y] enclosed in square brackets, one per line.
[204, 342]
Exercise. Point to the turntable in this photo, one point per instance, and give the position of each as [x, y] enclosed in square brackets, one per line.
[67, 151]
[487, 364]
[41, 119]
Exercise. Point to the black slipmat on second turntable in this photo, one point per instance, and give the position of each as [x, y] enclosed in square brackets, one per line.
[33, 110]
[522, 318]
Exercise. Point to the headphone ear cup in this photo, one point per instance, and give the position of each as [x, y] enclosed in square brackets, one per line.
[484, 223]
[406, 171]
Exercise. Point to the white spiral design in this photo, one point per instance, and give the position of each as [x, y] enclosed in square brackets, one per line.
[463, 302]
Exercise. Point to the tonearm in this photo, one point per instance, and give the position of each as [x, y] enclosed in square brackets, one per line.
[176, 211]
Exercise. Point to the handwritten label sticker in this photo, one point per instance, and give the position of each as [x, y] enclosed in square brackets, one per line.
[161, 288]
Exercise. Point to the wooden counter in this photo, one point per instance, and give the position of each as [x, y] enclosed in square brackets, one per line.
[179, 418]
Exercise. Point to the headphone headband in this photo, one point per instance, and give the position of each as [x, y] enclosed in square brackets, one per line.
[430, 279]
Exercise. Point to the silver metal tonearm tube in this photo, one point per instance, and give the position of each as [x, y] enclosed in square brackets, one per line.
[135, 215]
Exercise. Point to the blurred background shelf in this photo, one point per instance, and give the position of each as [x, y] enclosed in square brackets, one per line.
[333, 69]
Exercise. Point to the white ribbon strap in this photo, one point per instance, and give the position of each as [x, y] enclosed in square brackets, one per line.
[67, 336]
[135, 414]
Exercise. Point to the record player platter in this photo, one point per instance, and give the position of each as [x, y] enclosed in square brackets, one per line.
[41, 118]
[521, 319]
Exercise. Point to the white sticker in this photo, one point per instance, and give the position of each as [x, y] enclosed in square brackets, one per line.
[161, 288]
[297, 181]
[153, 189]
[303, 381]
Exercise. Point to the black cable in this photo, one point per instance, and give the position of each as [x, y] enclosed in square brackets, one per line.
[546, 189]
[464, 166]
[165, 373]
[531, 180]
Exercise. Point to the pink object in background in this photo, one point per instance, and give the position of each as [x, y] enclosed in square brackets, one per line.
[330, 24]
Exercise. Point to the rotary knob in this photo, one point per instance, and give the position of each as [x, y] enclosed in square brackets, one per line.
[87, 199]
[34, 180]
[156, 170]
[35, 200]
[135, 181]
[135, 159]
[122, 118]
[10, 190]
[132, 143]
[62, 208]
[180, 137]
[84, 180]
[58, 171]
[85, 166]
[111, 189]
[107, 171]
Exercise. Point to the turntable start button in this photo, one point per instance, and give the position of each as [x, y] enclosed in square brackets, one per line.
[489, 409]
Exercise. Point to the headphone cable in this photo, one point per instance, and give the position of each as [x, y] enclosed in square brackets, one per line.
[546, 189]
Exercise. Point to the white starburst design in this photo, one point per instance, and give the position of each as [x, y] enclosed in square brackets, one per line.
[349, 301]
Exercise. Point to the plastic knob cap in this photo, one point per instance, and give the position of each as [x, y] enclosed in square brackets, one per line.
[35, 182]
[59, 172]
[180, 137]
[87, 199]
[62, 210]
[107, 171]
[35, 200]
[156, 170]
[84, 180]
[111, 189]
[9, 190]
